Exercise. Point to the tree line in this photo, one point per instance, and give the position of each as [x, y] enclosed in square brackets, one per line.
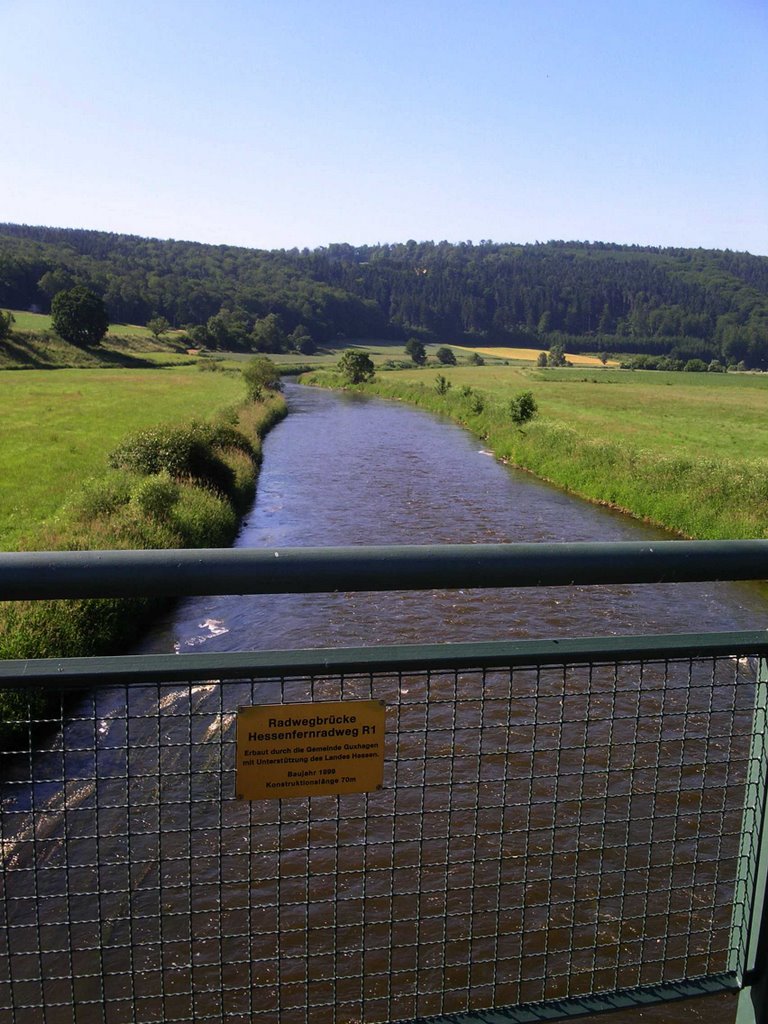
[690, 303]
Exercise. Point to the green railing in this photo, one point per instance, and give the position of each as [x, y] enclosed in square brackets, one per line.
[565, 826]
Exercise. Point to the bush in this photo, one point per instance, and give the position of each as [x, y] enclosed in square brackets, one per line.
[203, 518]
[523, 408]
[307, 346]
[556, 355]
[446, 356]
[695, 366]
[101, 498]
[245, 469]
[395, 364]
[261, 375]
[442, 384]
[476, 359]
[541, 359]
[209, 365]
[182, 452]
[158, 325]
[156, 496]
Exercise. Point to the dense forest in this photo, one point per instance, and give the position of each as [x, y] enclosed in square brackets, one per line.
[588, 296]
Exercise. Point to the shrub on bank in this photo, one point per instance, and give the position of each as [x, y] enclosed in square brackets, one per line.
[193, 451]
[156, 496]
[204, 518]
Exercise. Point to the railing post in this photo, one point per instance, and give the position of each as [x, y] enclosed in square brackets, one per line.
[750, 904]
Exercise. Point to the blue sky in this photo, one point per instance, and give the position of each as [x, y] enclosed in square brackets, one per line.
[305, 122]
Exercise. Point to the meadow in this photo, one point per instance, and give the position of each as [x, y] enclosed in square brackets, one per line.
[58, 427]
[38, 323]
[691, 414]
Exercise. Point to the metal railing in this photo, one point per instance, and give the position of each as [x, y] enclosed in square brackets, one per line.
[565, 826]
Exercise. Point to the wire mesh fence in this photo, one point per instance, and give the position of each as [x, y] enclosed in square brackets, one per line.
[544, 833]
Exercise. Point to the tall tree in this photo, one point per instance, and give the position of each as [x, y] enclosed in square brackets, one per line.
[79, 316]
[356, 367]
[158, 325]
[268, 334]
[415, 349]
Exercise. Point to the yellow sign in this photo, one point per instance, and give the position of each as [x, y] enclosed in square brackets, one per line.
[319, 749]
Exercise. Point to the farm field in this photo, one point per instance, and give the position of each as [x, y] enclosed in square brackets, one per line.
[530, 355]
[58, 428]
[383, 351]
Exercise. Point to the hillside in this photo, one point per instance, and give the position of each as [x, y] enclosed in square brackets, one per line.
[593, 296]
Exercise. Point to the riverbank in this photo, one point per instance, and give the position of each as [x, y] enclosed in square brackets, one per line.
[172, 486]
[693, 495]
[59, 427]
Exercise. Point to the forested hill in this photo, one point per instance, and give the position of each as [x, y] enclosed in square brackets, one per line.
[596, 296]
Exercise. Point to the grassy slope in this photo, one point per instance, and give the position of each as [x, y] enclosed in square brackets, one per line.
[34, 345]
[37, 323]
[686, 451]
[48, 352]
[58, 427]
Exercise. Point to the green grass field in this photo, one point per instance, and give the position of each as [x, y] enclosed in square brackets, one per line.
[384, 352]
[58, 427]
[328, 355]
[690, 414]
[37, 323]
[34, 322]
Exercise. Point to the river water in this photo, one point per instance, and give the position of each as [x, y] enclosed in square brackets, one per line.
[159, 896]
[347, 469]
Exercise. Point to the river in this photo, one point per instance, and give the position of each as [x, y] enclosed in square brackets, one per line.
[347, 469]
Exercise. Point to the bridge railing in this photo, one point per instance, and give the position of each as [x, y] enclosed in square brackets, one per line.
[563, 826]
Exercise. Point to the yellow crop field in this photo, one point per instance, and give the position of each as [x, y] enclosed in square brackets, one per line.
[532, 354]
